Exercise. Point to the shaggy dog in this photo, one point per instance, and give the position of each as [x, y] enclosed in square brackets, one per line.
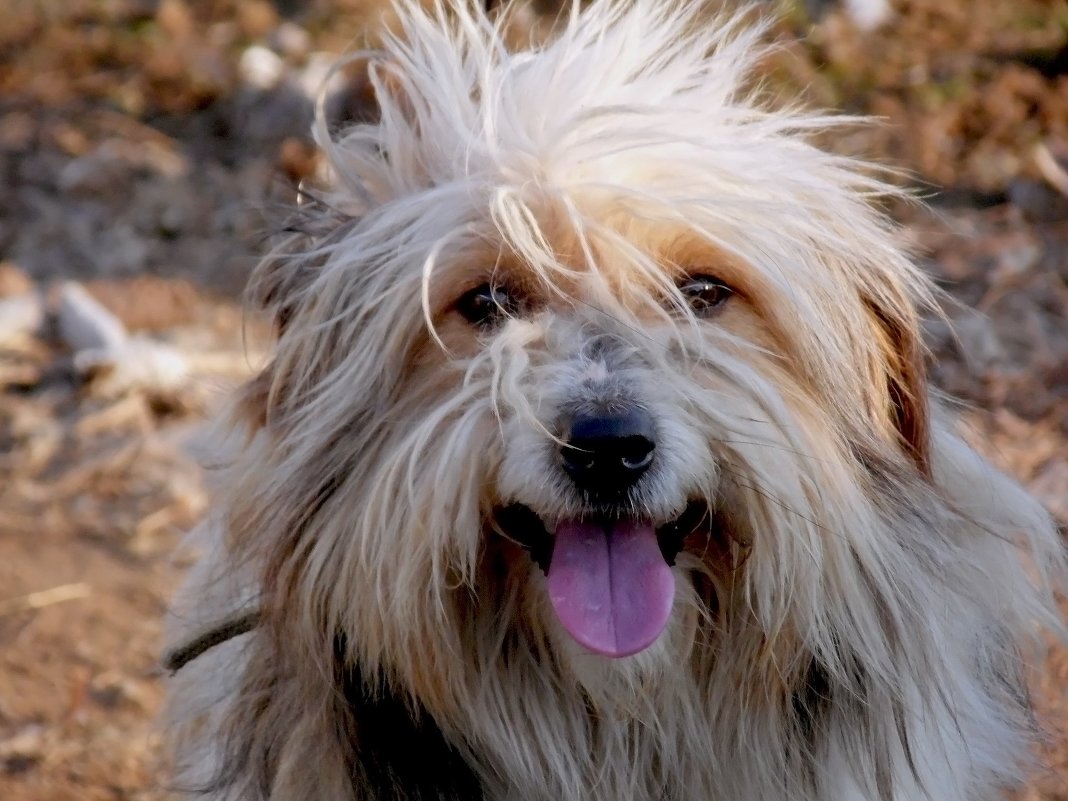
[596, 460]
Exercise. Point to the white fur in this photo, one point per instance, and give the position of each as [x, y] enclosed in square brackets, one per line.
[361, 505]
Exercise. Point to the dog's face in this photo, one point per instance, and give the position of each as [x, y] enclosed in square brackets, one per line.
[609, 385]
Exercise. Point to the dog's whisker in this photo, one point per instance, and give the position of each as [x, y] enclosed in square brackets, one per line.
[774, 446]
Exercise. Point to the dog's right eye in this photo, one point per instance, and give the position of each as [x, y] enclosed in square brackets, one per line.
[486, 305]
[704, 293]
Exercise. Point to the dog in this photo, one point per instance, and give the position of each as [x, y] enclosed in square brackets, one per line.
[596, 457]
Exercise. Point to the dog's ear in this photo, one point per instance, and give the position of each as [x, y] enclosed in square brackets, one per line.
[282, 278]
[356, 100]
[280, 284]
[252, 402]
[903, 365]
[277, 288]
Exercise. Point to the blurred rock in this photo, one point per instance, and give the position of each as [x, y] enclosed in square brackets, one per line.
[118, 250]
[864, 16]
[868, 15]
[256, 18]
[20, 316]
[85, 324]
[978, 341]
[148, 303]
[261, 120]
[168, 209]
[291, 39]
[1037, 200]
[175, 19]
[105, 170]
[1016, 256]
[261, 68]
[111, 690]
[24, 749]
[138, 364]
[110, 361]
[110, 169]
[1051, 160]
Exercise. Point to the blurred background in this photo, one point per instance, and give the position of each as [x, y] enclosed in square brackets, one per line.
[146, 148]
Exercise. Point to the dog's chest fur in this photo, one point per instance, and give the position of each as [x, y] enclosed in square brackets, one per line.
[398, 753]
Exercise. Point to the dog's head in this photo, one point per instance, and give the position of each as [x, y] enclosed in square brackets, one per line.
[580, 352]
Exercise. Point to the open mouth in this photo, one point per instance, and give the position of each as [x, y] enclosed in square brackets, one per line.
[609, 577]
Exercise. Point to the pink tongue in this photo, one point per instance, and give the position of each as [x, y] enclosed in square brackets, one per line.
[610, 585]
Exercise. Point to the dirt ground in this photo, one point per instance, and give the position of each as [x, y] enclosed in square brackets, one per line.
[145, 147]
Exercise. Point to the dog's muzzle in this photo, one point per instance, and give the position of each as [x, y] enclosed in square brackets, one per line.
[609, 567]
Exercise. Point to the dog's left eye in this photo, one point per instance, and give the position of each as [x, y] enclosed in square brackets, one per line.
[705, 292]
[486, 305]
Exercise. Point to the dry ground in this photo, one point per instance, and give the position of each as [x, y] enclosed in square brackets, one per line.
[137, 155]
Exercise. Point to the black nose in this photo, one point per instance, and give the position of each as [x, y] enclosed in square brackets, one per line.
[607, 453]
